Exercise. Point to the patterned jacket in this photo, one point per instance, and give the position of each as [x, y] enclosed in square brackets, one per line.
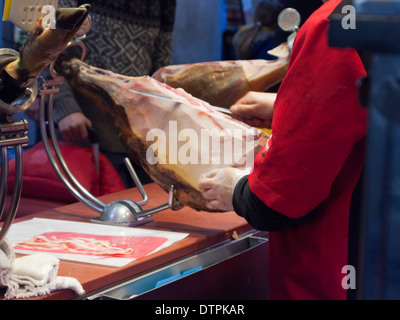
[129, 37]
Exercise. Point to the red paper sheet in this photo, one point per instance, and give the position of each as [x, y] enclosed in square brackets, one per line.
[95, 245]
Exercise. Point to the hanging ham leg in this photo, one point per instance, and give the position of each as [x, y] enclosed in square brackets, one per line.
[174, 136]
[222, 83]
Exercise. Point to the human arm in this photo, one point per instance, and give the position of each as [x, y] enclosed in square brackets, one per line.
[317, 123]
[74, 126]
[317, 126]
[261, 217]
[227, 190]
[255, 108]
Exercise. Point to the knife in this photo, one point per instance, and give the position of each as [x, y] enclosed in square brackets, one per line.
[220, 109]
[223, 110]
[156, 96]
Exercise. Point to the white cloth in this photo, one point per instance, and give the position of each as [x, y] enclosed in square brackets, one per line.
[32, 275]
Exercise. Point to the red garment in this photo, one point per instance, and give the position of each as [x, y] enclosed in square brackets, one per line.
[313, 161]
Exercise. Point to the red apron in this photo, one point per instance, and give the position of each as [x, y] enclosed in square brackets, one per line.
[313, 162]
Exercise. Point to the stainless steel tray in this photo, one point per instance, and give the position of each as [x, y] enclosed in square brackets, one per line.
[236, 269]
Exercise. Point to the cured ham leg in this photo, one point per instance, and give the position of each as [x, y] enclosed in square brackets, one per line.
[222, 83]
[174, 136]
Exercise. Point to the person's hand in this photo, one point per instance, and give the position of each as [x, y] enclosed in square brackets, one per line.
[74, 126]
[218, 185]
[255, 108]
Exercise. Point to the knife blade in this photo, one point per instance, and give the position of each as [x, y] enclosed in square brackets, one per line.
[156, 95]
[220, 109]
[223, 110]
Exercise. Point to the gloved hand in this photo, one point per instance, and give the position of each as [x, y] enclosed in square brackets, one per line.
[218, 186]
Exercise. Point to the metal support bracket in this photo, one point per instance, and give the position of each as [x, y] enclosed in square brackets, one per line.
[120, 212]
[12, 135]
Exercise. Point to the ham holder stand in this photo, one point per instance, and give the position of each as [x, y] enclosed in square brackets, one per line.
[13, 135]
[120, 212]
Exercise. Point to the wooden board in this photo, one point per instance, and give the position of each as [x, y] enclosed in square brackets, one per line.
[205, 229]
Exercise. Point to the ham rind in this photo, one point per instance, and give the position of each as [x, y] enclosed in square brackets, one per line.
[222, 83]
[175, 142]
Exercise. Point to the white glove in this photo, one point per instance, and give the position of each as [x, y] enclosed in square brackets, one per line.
[218, 186]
